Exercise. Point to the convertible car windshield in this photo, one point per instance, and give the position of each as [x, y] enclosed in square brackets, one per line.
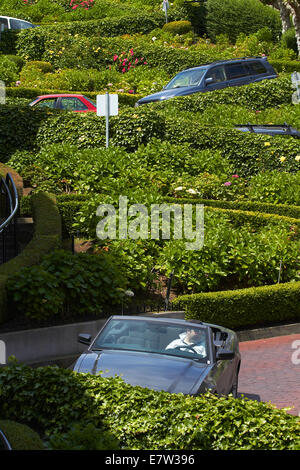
[152, 337]
[189, 77]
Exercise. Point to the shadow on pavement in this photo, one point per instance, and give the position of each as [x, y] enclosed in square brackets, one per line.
[250, 396]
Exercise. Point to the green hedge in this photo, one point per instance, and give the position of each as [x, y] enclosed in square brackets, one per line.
[51, 399]
[31, 93]
[265, 94]
[21, 436]
[280, 209]
[287, 66]
[46, 238]
[257, 214]
[29, 129]
[241, 308]
[231, 17]
[32, 42]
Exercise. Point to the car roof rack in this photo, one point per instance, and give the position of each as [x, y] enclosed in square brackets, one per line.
[271, 129]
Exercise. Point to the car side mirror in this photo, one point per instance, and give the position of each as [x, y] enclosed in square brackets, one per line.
[225, 355]
[209, 80]
[84, 338]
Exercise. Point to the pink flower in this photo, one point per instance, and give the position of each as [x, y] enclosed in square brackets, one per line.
[131, 91]
[123, 70]
[131, 51]
[136, 61]
[228, 183]
[115, 57]
[145, 63]
[235, 176]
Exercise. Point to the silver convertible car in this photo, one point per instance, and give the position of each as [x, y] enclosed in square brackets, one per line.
[177, 356]
[190, 357]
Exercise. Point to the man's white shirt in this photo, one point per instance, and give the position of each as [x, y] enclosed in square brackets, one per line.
[194, 348]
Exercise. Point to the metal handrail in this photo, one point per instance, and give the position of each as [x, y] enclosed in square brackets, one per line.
[13, 205]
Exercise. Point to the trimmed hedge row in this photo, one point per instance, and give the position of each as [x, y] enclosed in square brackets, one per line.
[47, 237]
[258, 213]
[267, 208]
[247, 152]
[31, 93]
[27, 40]
[243, 308]
[265, 94]
[140, 418]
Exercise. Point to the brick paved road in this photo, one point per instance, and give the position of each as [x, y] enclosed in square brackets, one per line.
[270, 371]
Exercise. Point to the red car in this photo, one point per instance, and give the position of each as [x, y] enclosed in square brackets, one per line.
[68, 102]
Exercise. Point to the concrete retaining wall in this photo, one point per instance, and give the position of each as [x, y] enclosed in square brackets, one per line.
[42, 345]
[58, 344]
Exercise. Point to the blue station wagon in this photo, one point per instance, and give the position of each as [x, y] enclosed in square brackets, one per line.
[214, 76]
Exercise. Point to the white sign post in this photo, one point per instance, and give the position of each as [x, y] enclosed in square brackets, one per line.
[107, 105]
[165, 7]
[296, 84]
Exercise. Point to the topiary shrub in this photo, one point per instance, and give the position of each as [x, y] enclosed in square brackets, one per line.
[21, 436]
[178, 27]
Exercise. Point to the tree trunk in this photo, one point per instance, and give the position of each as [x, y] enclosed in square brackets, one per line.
[294, 7]
[285, 15]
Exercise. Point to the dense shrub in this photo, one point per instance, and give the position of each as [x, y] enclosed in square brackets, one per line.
[233, 16]
[53, 398]
[21, 436]
[178, 27]
[8, 70]
[288, 40]
[67, 285]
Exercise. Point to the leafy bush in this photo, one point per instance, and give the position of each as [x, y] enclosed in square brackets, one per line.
[67, 285]
[52, 398]
[83, 437]
[8, 70]
[276, 187]
[20, 436]
[288, 40]
[233, 16]
[35, 293]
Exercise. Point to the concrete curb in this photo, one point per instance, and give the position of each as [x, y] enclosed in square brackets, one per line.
[58, 344]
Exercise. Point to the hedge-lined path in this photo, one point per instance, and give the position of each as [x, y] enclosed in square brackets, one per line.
[270, 371]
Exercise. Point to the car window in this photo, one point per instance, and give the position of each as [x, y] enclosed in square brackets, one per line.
[19, 24]
[3, 24]
[217, 74]
[91, 101]
[256, 68]
[72, 104]
[236, 71]
[147, 336]
[187, 78]
[46, 103]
